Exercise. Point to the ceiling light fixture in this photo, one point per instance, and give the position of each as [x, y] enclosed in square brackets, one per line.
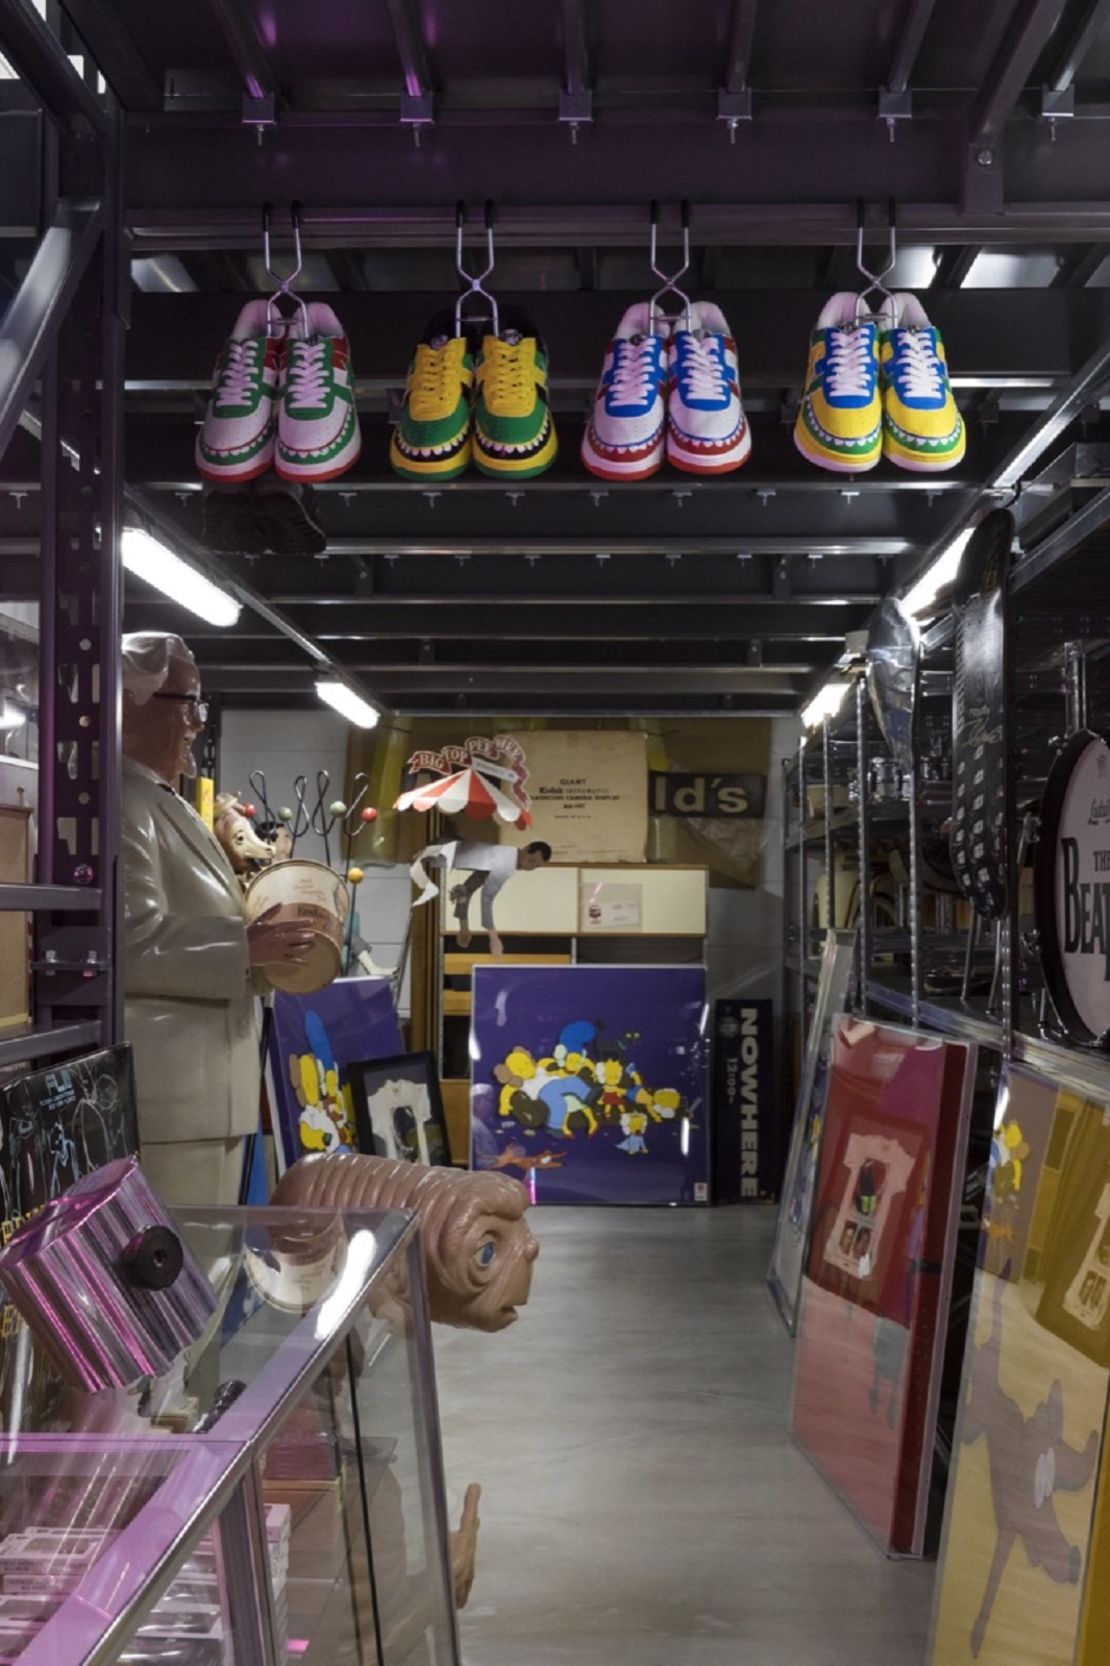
[163, 570]
[343, 699]
[936, 578]
[825, 703]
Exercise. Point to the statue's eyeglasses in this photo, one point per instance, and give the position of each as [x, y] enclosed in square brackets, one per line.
[200, 707]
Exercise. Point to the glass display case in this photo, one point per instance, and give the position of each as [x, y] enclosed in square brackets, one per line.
[277, 1495]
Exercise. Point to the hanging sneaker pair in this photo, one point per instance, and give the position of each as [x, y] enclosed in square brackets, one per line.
[474, 397]
[668, 388]
[264, 516]
[878, 386]
[282, 401]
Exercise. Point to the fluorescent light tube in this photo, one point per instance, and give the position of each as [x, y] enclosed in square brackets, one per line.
[159, 567]
[944, 569]
[343, 699]
[825, 703]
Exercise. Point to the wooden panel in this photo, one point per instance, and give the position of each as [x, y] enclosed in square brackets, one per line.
[459, 965]
[668, 902]
[456, 1114]
[543, 903]
[456, 1003]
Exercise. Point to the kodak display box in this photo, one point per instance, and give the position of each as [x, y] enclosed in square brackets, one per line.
[60, 1553]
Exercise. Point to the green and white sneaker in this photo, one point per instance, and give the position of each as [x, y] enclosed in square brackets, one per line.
[318, 433]
[512, 432]
[239, 433]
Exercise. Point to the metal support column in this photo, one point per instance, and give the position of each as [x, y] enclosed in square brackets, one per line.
[803, 895]
[1075, 686]
[915, 857]
[830, 848]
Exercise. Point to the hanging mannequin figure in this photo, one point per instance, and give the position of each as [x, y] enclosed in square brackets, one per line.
[489, 866]
[190, 959]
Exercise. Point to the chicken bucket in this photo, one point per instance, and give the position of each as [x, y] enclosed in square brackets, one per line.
[305, 894]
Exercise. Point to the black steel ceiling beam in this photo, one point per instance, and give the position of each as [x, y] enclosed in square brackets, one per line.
[1026, 37]
[115, 53]
[147, 509]
[585, 679]
[954, 265]
[417, 97]
[1078, 268]
[39, 59]
[577, 78]
[241, 39]
[908, 45]
[738, 53]
[30, 325]
[1088, 27]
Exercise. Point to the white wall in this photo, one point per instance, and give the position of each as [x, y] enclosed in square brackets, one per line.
[744, 947]
[284, 745]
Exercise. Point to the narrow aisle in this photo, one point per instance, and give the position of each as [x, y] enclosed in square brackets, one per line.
[643, 1504]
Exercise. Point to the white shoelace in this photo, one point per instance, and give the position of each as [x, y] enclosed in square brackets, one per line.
[306, 374]
[703, 373]
[852, 363]
[238, 381]
[634, 373]
[919, 364]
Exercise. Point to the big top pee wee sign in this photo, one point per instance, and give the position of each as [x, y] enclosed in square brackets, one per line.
[1072, 888]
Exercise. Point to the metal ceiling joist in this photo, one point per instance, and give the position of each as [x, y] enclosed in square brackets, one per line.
[1078, 268]
[1027, 36]
[1086, 31]
[114, 53]
[152, 514]
[804, 548]
[954, 265]
[30, 325]
[418, 96]
[575, 619]
[40, 61]
[246, 50]
[583, 680]
[911, 35]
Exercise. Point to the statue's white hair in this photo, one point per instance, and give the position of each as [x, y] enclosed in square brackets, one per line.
[146, 662]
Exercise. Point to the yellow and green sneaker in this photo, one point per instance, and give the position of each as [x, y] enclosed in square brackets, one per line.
[922, 429]
[840, 419]
[513, 432]
[432, 439]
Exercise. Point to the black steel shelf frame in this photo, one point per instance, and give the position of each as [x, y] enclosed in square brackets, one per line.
[61, 380]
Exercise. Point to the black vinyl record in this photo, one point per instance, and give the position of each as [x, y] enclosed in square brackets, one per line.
[980, 850]
[892, 655]
[1071, 888]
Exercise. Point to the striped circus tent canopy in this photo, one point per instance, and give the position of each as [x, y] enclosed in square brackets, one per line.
[468, 792]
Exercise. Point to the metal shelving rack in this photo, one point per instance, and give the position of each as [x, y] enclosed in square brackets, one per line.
[1059, 681]
[61, 386]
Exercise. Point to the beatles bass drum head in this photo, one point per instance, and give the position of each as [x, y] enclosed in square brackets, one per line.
[1072, 888]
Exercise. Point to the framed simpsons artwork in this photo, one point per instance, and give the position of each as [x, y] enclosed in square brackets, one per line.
[589, 1082]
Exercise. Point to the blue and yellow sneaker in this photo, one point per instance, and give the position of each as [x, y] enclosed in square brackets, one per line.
[432, 439]
[513, 433]
[840, 419]
[922, 429]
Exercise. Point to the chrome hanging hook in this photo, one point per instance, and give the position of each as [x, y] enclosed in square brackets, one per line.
[276, 321]
[670, 282]
[875, 279]
[474, 284]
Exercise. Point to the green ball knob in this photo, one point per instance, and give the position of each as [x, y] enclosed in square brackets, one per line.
[337, 807]
[285, 813]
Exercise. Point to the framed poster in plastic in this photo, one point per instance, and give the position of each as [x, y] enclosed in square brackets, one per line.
[589, 1082]
[1025, 1555]
[878, 1276]
[784, 1275]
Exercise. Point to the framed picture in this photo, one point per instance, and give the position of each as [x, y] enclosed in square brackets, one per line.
[589, 1082]
[398, 1109]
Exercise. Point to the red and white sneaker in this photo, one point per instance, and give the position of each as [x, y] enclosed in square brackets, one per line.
[318, 433]
[625, 436]
[707, 431]
[239, 432]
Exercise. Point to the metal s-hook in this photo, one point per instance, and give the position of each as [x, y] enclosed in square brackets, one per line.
[875, 279]
[474, 284]
[276, 321]
[670, 281]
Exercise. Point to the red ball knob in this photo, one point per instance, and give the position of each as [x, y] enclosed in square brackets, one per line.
[249, 810]
[369, 814]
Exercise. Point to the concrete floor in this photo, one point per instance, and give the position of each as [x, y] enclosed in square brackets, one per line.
[642, 1502]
